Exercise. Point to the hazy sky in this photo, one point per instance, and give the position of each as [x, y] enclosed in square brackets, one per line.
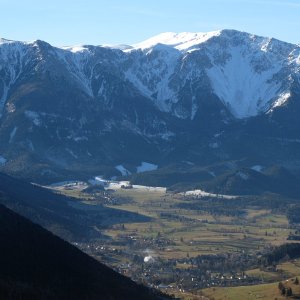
[69, 22]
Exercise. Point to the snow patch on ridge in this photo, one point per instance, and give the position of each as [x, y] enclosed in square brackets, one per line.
[123, 170]
[75, 49]
[283, 97]
[3, 160]
[145, 167]
[257, 168]
[180, 41]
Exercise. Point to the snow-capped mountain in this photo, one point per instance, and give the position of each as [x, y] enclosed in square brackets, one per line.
[249, 74]
[192, 96]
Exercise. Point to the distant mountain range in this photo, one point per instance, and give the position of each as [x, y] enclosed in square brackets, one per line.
[212, 103]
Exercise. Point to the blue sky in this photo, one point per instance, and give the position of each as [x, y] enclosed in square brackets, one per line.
[66, 22]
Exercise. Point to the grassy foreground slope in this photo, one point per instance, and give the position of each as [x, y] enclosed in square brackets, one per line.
[262, 291]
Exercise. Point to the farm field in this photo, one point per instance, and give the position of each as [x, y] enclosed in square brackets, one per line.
[262, 291]
[199, 231]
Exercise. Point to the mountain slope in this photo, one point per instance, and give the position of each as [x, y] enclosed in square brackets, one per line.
[75, 112]
[249, 74]
[35, 264]
[251, 182]
[66, 217]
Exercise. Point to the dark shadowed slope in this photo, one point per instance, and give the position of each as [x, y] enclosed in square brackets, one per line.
[35, 264]
[62, 215]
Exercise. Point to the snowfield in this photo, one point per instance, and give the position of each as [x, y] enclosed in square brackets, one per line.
[201, 193]
[145, 167]
[116, 185]
[257, 168]
[2, 161]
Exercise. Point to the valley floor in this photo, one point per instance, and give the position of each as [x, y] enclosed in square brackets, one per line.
[193, 246]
